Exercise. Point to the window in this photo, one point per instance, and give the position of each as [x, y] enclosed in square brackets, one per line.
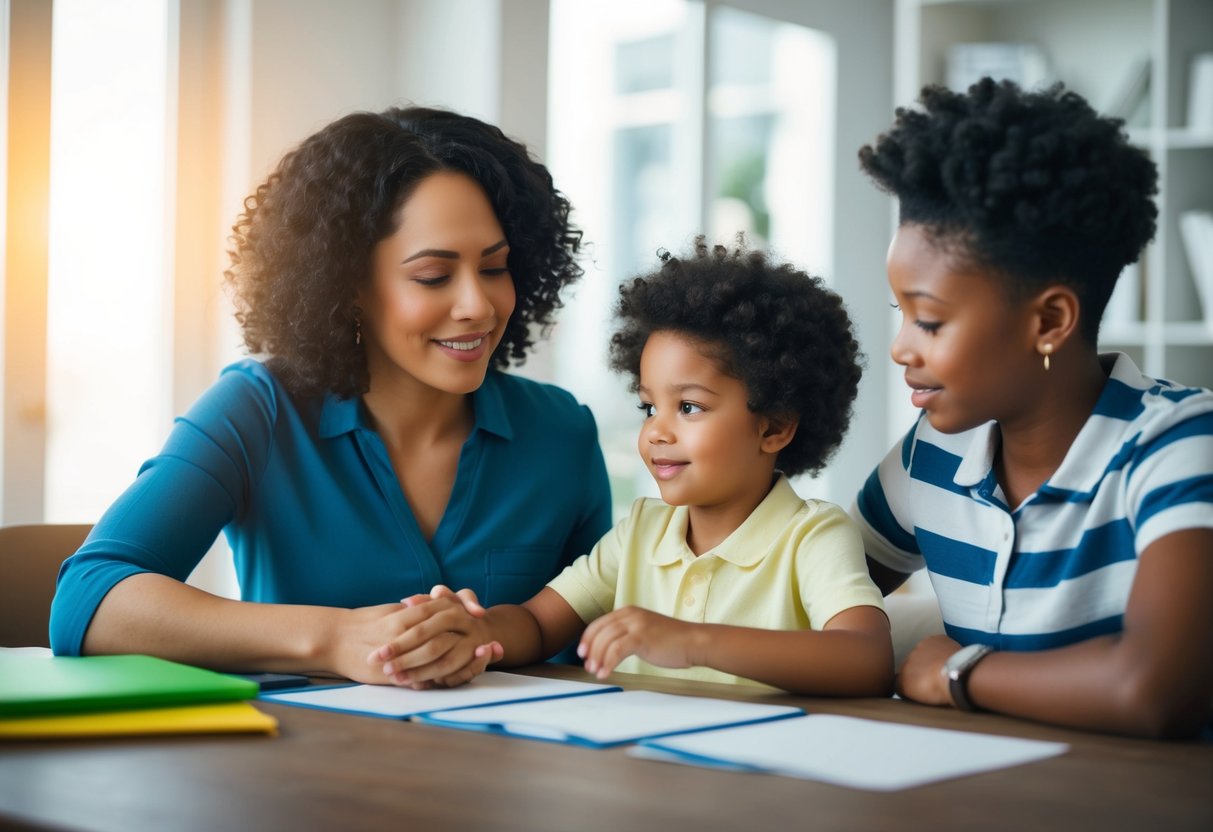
[668, 118]
[109, 295]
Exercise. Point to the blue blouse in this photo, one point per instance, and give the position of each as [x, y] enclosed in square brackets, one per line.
[311, 506]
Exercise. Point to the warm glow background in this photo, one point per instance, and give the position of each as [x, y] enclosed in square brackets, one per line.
[110, 235]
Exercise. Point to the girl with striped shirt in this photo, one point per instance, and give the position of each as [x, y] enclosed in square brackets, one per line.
[1060, 500]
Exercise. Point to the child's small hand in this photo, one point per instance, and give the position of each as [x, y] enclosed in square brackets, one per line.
[921, 677]
[628, 631]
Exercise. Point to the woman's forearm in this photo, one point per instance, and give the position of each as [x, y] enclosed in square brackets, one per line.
[157, 615]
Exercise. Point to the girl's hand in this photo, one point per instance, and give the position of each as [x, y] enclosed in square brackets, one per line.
[628, 631]
[921, 677]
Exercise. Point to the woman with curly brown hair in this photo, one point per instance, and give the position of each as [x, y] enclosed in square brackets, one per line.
[388, 271]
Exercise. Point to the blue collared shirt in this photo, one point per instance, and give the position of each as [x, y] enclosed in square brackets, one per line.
[311, 506]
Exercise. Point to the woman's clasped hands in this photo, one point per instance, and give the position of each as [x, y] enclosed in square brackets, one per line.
[446, 641]
[443, 641]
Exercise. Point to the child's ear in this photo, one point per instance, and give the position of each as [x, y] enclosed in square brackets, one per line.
[1056, 312]
[777, 433]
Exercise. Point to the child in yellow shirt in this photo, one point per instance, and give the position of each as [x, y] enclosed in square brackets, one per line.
[746, 371]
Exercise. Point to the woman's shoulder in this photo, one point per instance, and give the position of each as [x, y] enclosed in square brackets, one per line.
[517, 388]
[247, 378]
[249, 372]
[247, 385]
[537, 402]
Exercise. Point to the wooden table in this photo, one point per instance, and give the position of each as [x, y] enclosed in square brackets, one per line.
[336, 771]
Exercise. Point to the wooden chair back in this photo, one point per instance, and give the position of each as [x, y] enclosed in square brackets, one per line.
[30, 557]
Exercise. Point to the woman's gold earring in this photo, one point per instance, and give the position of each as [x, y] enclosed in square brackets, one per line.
[1046, 350]
[357, 327]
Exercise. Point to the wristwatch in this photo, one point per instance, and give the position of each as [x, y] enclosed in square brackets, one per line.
[957, 669]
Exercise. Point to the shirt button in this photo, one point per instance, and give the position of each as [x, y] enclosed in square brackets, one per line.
[697, 579]
[688, 601]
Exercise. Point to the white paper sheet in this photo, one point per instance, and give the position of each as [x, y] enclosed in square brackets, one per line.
[847, 751]
[401, 703]
[612, 718]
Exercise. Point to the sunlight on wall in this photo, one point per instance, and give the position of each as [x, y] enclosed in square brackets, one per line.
[109, 296]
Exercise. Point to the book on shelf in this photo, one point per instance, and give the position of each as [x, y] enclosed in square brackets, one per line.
[1130, 98]
[1196, 230]
[1200, 92]
[1125, 305]
[1023, 63]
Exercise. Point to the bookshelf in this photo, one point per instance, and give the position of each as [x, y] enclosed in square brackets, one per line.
[1102, 49]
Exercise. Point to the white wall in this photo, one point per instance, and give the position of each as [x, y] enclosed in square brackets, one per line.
[863, 31]
[259, 76]
[313, 61]
[448, 54]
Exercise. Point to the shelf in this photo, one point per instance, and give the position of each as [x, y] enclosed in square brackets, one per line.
[1123, 334]
[1178, 333]
[1188, 333]
[1183, 138]
[1176, 138]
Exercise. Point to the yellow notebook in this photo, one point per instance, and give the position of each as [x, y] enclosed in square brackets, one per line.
[220, 718]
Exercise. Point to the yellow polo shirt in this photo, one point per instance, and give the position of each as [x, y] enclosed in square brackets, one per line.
[793, 564]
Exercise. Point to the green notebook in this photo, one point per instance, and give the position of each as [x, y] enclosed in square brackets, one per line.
[35, 684]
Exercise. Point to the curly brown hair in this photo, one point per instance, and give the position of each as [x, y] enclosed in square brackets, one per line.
[302, 247]
[780, 331]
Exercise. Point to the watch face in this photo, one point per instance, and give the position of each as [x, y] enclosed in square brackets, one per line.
[962, 657]
[957, 669]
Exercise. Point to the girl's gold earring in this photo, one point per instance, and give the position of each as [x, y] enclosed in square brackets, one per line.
[357, 327]
[1046, 350]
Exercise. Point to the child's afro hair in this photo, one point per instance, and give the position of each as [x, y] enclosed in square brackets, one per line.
[783, 333]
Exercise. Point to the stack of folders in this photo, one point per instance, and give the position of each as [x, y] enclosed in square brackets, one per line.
[58, 697]
[717, 733]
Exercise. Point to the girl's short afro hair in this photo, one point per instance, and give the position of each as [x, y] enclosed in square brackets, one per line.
[1034, 186]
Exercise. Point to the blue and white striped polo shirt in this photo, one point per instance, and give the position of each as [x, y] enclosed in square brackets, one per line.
[1057, 569]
